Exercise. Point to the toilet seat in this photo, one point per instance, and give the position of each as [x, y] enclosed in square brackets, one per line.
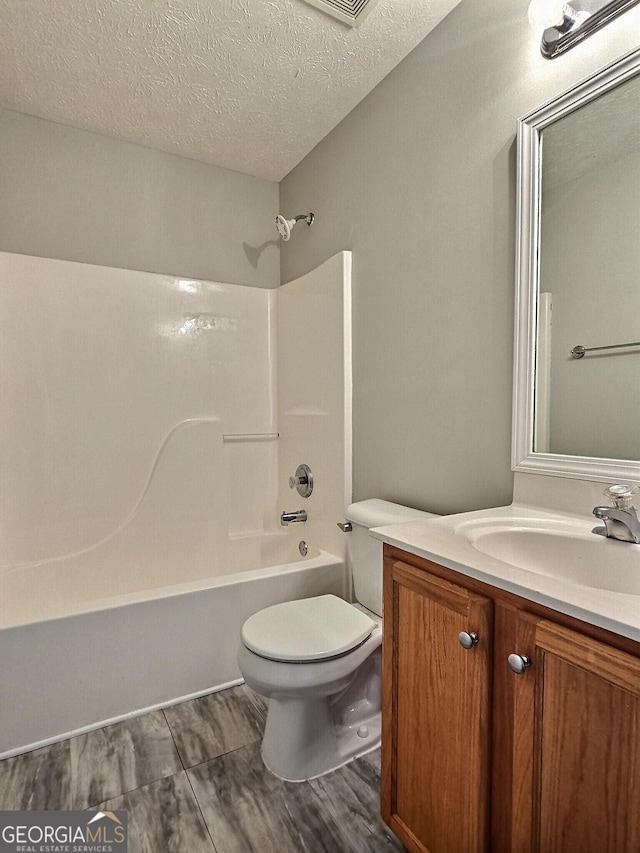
[310, 629]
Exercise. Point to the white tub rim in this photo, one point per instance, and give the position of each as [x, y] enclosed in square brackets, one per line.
[95, 605]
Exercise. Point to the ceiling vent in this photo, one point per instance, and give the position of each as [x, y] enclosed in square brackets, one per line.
[350, 12]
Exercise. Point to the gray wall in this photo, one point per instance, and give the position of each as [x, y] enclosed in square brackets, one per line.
[79, 196]
[419, 181]
[590, 261]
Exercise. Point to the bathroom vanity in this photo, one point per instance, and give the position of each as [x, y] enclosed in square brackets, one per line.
[511, 651]
[509, 725]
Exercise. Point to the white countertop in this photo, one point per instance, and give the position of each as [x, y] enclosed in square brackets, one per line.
[442, 540]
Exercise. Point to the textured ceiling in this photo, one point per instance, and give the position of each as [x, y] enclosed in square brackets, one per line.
[251, 85]
[592, 137]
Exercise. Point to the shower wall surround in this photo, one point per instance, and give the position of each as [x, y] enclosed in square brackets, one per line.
[104, 372]
[314, 395]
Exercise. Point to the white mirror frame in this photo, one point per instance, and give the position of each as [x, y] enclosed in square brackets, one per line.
[523, 458]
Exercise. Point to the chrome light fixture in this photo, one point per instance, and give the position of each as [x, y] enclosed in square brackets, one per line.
[566, 24]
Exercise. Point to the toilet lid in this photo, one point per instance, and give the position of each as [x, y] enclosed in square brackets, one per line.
[310, 629]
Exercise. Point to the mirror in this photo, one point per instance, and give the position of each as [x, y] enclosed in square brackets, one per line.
[577, 351]
[577, 20]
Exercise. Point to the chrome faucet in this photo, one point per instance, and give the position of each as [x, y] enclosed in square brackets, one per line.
[620, 520]
[293, 517]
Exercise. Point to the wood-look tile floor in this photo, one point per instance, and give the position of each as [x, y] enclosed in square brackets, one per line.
[192, 781]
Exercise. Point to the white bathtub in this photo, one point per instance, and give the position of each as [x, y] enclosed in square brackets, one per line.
[147, 456]
[82, 647]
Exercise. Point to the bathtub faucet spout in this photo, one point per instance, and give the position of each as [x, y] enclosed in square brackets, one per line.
[293, 517]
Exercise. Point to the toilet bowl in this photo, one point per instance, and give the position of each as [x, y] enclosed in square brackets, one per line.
[318, 716]
[318, 661]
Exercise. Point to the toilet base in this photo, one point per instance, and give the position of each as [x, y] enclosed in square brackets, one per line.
[307, 737]
[306, 758]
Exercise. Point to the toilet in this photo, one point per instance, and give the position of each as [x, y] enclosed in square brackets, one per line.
[318, 660]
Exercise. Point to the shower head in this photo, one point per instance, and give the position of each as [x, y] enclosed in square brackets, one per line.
[285, 226]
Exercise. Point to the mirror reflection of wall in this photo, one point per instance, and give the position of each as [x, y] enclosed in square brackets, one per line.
[590, 266]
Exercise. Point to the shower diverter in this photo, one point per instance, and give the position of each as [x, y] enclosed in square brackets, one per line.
[302, 481]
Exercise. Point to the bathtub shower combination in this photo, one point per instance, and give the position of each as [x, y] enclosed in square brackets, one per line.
[152, 426]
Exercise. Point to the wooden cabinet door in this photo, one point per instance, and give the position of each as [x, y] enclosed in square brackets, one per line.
[436, 713]
[577, 745]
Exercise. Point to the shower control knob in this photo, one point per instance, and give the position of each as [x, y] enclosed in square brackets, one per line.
[302, 481]
[518, 663]
[468, 639]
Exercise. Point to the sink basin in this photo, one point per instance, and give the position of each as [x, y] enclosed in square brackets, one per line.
[565, 550]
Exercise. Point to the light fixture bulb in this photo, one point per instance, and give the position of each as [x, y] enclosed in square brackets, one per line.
[545, 13]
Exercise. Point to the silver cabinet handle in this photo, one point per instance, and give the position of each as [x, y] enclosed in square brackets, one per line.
[468, 639]
[518, 663]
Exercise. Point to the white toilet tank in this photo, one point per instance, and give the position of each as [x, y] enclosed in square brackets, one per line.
[365, 553]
